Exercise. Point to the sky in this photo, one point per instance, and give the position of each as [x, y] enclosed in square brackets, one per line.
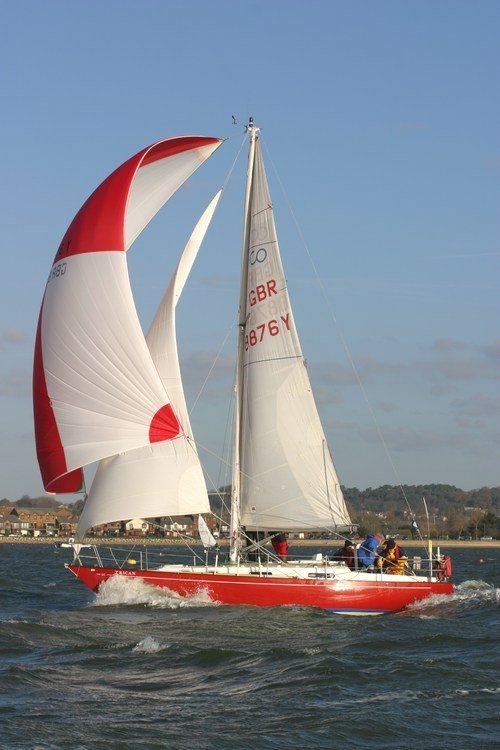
[381, 132]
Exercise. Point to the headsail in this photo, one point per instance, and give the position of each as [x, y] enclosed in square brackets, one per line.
[96, 390]
[164, 478]
[206, 535]
[288, 480]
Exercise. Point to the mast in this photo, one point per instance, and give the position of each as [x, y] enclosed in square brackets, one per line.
[234, 549]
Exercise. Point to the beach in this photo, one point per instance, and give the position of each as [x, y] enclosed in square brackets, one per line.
[156, 542]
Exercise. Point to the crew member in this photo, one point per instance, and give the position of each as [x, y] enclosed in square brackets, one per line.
[367, 551]
[346, 554]
[393, 558]
[280, 544]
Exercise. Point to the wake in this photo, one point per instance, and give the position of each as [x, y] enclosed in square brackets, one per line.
[123, 591]
[467, 595]
[119, 590]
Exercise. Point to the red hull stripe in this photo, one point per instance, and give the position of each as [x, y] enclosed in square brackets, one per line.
[99, 224]
[338, 596]
[164, 425]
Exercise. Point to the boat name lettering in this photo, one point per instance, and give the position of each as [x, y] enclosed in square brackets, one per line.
[58, 270]
[262, 292]
[258, 256]
[272, 327]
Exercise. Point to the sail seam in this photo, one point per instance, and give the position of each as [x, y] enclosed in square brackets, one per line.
[271, 359]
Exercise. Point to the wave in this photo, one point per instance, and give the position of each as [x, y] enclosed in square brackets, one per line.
[467, 595]
[404, 696]
[119, 590]
[149, 645]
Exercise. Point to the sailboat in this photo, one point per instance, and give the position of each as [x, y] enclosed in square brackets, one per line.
[104, 392]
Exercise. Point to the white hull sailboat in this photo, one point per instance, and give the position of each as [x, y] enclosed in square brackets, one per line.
[106, 393]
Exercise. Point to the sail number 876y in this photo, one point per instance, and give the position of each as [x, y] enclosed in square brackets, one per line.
[270, 328]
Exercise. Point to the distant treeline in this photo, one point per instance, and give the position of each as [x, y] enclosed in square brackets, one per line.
[44, 501]
[440, 499]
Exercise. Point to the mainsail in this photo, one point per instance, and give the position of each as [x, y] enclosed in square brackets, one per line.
[164, 478]
[287, 476]
[96, 389]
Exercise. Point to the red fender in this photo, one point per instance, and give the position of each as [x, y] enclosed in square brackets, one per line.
[444, 568]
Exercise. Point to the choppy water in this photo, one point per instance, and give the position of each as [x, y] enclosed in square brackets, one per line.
[139, 668]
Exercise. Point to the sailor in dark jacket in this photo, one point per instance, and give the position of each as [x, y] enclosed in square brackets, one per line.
[346, 554]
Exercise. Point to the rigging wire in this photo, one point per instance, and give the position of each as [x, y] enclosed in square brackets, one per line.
[224, 342]
[222, 462]
[211, 369]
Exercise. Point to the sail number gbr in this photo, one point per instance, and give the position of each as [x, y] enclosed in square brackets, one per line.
[270, 328]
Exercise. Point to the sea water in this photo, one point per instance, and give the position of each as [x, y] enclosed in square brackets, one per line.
[136, 667]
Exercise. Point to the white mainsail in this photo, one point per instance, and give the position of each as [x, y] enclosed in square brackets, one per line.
[164, 478]
[287, 476]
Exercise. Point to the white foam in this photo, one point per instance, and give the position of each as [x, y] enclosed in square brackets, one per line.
[476, 591]
[478, 586]
[149, 645]
[405, 696]
[132, 591]
[466, 593]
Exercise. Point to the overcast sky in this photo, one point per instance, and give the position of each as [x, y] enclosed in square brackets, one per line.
[380, 125]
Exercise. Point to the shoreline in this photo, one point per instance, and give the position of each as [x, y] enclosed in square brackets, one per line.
[112, 542]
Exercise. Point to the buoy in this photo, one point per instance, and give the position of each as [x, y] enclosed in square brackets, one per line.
[481, 561]
[131, 561]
